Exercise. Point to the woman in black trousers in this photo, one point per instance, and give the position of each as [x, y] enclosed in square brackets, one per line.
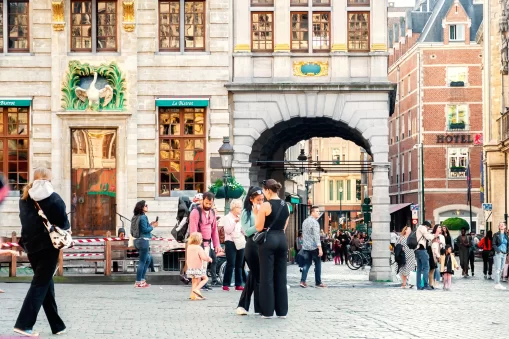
[273, 252]
[42, 255]
[252, 205]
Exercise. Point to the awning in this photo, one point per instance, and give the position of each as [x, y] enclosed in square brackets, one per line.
[15, 102]
[182, 102]
[396, 207]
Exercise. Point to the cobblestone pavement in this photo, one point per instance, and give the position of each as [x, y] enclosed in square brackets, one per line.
[349, 308]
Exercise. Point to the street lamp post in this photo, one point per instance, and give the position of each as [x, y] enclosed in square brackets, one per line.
[421, 155]
[226, 153]
[341, 205]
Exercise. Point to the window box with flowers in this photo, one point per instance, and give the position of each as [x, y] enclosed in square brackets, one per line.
[457, 169]
[234, 189]
[457, 125]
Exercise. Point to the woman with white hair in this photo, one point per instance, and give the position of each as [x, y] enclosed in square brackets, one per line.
[234, 243]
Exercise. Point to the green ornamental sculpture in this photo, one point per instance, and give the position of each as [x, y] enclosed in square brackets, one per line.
[111, 97]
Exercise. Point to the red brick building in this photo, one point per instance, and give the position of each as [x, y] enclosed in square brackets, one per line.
[436, 63]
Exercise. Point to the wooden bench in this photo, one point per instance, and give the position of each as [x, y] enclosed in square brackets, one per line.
[9, 259]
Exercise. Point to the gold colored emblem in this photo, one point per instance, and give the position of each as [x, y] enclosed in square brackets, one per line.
[310, 69]
[128, 18]
[57, 8]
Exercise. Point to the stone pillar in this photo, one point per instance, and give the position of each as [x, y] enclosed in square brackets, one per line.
[380, 218]
[378, 26]
[340, 67]
[282, 60]
[242, 29]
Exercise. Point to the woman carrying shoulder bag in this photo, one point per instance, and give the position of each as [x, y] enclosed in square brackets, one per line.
[234, 244]
[42, 255]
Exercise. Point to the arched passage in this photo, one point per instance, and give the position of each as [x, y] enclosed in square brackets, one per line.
[267, 119]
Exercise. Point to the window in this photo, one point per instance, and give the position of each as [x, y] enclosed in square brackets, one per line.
[457, 162]
[402, 167]
[409, 123]
[319, 27]
[262, 25]
[14, 31]
[408, 85]
[14, 145]
[331, 190]
[456, 76]
[358, 193]
[336, 156]
[321, 31]
[300, 35]
[409, 166]
[91, 19]
[181, 149]
[402, 127]
[358, 2]
[189, 36]
[339, 187]
[299, 2]
[402, 88]
[457, 117]
[305, 3]
[457, 32]
[262, 2]
[358, 31]
[348, 190]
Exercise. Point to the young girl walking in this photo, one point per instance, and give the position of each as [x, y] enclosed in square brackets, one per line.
[447, 265]
[194, 260]
[337, 252]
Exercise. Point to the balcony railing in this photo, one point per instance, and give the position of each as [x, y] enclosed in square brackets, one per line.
[504, 127]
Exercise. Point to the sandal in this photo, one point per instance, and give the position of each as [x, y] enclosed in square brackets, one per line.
[199, 295]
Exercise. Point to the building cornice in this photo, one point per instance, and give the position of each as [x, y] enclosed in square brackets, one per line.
[270, 87]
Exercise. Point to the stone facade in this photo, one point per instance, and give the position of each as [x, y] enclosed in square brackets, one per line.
[493, 37]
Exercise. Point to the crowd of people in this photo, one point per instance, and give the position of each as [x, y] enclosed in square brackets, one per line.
[254, 234]
[433, 260]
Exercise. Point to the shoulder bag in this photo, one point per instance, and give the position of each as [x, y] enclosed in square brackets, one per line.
[59, 238]
[261, 237]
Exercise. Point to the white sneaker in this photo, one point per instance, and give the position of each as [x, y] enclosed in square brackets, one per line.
[500, 287]
[241, 311]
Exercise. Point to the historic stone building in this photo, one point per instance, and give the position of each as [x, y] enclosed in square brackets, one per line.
[436, 63]
[493, 36]
[128, 100]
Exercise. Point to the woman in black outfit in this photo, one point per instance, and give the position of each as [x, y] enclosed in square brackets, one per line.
[273, 252]
[252, 205]
[447, 236]
[42, 255]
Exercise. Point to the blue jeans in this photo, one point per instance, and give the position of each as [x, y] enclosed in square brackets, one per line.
[422, 258]
[142, 246]
[437, 272]
[318, 267]
[499, 261]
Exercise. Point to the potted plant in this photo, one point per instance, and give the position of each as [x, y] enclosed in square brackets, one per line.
[234, 189]
[456, 169]
[457, 125]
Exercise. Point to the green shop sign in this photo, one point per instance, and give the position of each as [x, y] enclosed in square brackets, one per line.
[182, 102]
[24, 102]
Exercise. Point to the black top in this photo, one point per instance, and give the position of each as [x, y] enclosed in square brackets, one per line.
[280, 223]
[34, 235]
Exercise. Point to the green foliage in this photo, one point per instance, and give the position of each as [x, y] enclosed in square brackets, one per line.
[231, 183]
[71, 81]
[456, 224]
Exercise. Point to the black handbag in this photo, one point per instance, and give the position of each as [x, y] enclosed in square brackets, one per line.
[261, 237]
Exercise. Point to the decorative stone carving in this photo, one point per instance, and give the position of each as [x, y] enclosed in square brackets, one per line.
[503, 55]
[82, 79]
[502, 23]
[128, 18]
[57, 8]
[310, 69]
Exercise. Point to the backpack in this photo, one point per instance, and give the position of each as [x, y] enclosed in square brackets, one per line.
[412, 241]
[135, 226]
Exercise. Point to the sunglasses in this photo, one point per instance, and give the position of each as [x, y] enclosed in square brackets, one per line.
[264, 182]
[257, 192]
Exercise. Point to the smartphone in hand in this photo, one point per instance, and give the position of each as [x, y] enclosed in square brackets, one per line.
[157, 219]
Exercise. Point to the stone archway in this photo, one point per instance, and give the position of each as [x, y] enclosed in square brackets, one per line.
[267, 119]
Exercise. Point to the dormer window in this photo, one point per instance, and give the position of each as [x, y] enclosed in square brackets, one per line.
[457, 33]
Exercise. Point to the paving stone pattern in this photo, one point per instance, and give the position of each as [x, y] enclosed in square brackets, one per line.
[351, 307]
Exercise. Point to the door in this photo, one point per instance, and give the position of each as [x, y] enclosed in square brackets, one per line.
[93, 181]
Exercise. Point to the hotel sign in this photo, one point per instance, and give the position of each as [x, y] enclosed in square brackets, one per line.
[182, 102]
[454, 139]
[25, 102]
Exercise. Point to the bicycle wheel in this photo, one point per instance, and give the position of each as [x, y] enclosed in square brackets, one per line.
[354, 261]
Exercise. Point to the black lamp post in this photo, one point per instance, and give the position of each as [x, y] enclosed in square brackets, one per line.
[226, 153]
